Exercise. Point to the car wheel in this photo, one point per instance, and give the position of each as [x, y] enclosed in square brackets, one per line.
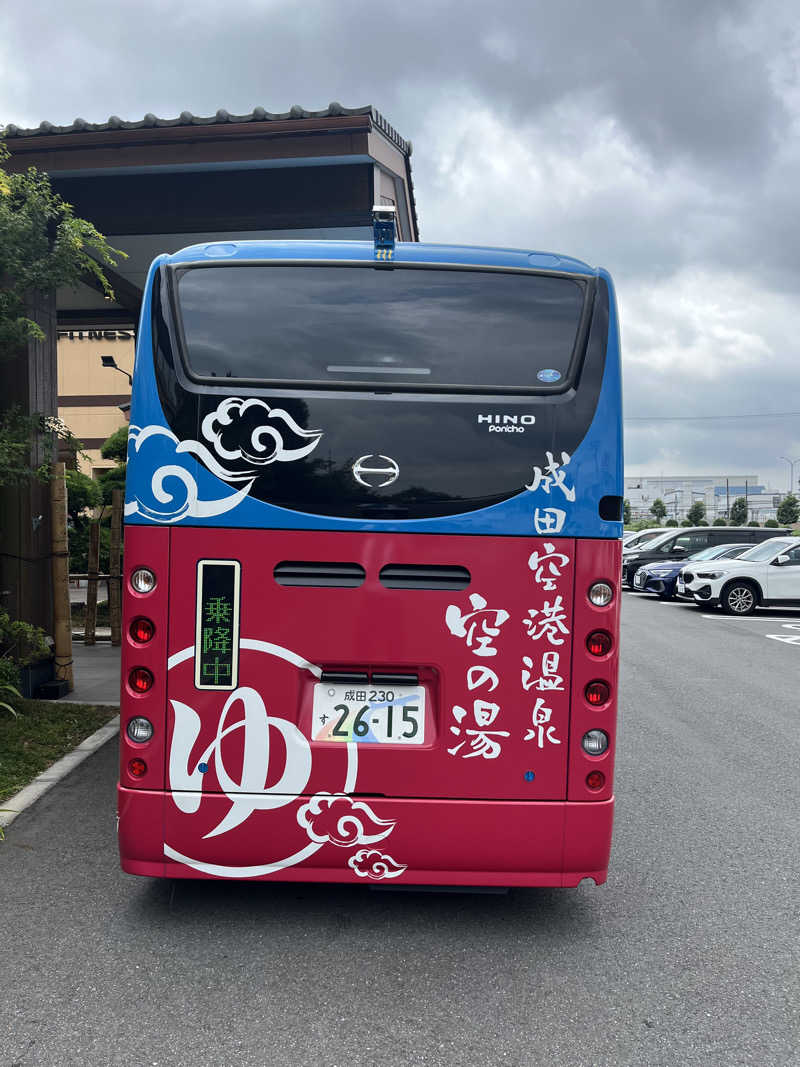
[739, 598]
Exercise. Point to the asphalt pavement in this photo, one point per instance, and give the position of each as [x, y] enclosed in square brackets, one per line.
[688, 956]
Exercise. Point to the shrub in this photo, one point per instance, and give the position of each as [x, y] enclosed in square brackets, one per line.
[772, 523]
[719, 522]
[671, 522]
[21, 642]
[9, 672]
[753, 523]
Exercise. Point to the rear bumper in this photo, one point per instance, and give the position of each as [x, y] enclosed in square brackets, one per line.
[430, 842]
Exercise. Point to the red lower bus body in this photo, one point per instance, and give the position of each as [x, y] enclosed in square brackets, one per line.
[496, 789]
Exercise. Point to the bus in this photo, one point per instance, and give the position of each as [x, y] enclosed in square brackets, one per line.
[372, 565]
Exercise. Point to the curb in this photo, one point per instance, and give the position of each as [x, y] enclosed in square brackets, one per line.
[60, 769]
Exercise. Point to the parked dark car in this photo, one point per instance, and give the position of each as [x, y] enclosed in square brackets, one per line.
[660, 578]
[683, 541]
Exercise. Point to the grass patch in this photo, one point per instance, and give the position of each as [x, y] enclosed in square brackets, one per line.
[43, 732]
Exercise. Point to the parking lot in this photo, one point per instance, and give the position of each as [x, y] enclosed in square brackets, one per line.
[687, 956]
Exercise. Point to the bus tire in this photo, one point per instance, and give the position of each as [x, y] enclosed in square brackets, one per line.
[739, 597]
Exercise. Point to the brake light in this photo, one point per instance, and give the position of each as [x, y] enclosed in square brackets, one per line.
[140, 679]
[599, 643]
[137, 767]
[597, 693]
[142, 630]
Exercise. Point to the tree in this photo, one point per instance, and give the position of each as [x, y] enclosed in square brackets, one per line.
[626, 512]
[116, 446]
[696, 513]
[42, 246]
[658, 508]
[788, 510]
[738, 512]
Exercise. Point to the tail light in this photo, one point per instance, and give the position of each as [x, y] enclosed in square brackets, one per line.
[599, 643]
[140, 679]
[597, 693]
[595, 742]
[139, 729]
[142, 630]
[601, 594]
[595, 779]
[143, 580]
[137, 767]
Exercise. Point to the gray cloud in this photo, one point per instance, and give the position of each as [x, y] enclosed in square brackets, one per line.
[659, 139]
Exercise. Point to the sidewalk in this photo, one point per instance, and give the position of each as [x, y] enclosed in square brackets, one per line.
[96, 673]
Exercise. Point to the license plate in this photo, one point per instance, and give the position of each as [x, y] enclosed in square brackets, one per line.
[391, 716]
[638, 580]
[681, 586]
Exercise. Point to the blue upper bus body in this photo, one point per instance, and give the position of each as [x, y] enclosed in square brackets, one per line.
[305, 385]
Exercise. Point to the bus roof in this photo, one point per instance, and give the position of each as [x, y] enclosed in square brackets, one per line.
[364, 251]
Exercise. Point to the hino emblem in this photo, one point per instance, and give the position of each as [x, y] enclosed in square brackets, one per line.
[387, 471]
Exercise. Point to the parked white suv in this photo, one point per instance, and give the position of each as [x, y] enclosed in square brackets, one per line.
[766, 574]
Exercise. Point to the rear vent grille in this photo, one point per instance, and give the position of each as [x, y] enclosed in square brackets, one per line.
[342, 575]
[424, 576]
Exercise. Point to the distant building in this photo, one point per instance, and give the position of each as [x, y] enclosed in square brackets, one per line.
[91, 397]
[716, 491]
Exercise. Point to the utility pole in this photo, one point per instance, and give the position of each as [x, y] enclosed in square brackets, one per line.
[727, 499]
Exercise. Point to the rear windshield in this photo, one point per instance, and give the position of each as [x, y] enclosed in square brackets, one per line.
[347, 325]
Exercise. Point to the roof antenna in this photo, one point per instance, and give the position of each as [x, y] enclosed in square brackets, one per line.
[383, 228]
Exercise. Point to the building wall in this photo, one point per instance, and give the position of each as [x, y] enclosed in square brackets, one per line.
[89, 394]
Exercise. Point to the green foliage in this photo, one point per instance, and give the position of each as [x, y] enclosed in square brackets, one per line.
[753, 523]
[116, 446]
[42, 246]
[9, 672]
[12, 693]
[79, 547]
[773, 524]
[738, 512]
[788, 510]
[719, 522]
[114, 478]
[19, 436]
[687, 522]
[21, 642]
[83, 493]
[9, 684]
[696, 513]
[626, 512]
[671, 522]
[658, 508]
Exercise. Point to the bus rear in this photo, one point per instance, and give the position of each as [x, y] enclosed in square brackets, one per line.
[372, 567]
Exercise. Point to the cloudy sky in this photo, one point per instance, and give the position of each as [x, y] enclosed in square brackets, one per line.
[658, 139]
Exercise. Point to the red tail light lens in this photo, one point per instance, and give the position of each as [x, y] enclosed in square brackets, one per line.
[137, 767]
[599, 643]
[140, 679]
[597, 693]
[142, 630]
[595, 779]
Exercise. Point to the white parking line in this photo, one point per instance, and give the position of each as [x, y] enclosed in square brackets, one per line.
[753, 618]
